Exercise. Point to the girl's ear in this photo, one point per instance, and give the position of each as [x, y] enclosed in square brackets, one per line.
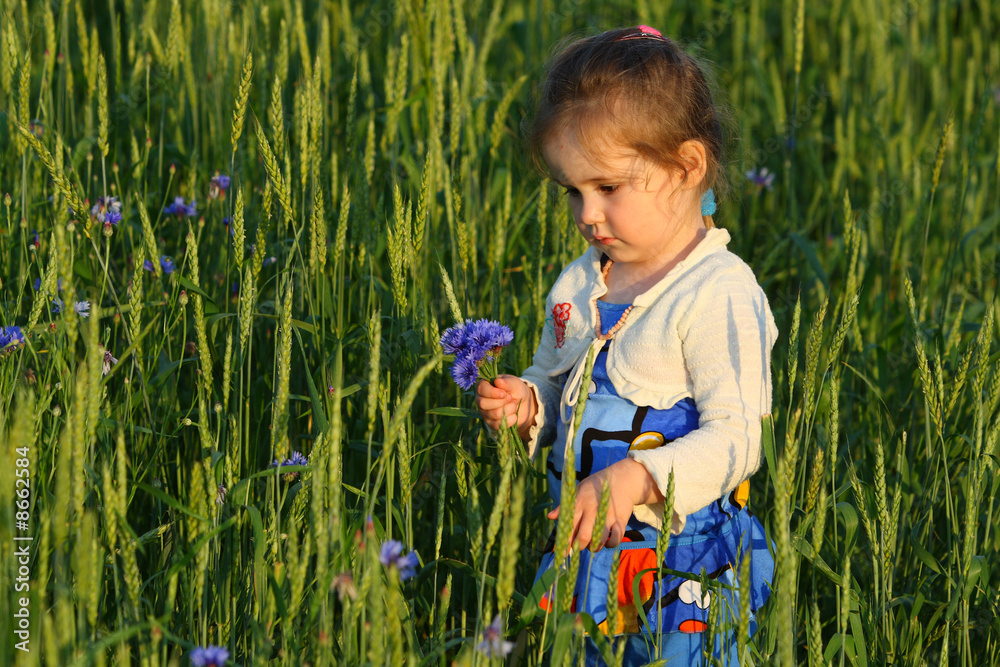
[693, 156]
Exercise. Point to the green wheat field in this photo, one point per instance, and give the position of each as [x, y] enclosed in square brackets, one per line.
[371, 188]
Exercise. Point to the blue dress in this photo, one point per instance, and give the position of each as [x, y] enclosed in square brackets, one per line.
[710, 547]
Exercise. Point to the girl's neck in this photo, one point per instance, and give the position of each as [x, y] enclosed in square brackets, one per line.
[626, 281]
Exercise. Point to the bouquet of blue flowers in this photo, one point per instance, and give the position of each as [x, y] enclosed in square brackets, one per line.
[476, 346]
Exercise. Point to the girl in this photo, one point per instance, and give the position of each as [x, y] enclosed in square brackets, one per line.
[683, 337]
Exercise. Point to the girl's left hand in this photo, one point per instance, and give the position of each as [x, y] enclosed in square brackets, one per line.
[629, 484]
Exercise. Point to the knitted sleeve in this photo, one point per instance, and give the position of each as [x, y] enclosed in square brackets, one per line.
[726, 338]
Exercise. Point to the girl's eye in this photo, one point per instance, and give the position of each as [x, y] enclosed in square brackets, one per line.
[572, 192]
[608, 189]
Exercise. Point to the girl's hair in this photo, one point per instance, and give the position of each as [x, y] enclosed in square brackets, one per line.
[629, 87]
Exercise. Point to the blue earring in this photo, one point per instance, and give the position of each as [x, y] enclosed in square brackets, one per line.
[708, 202]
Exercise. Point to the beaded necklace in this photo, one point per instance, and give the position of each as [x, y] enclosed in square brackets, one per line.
[624, 316]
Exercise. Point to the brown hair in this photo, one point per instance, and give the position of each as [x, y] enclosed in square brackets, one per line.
[655, 96]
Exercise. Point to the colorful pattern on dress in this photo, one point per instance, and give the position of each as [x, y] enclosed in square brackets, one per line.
[709, 549]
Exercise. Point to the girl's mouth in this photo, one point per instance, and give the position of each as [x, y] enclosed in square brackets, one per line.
[604, 240]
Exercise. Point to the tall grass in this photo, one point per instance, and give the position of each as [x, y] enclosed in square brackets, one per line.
[379, 193]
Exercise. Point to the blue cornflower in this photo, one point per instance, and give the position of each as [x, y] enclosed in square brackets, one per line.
[763, 178]
[474, 343]
[107, 210]
[209, 656]
[11, 339]
[489, 335]
[296, 459]
[180, 208]
[268, 261]
[465, 372]
[453, 339]
[57, 305]
[218, 186]
[391, 555]
[82, 309]
[166, 264]
[493, 644]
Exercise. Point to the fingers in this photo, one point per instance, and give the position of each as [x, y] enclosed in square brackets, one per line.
[615, 535]
[508, 383]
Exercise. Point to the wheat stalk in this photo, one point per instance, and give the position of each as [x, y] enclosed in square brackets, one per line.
[279, 434]
[56, 173]
[274, 173]
[242, 97]
[102, 105]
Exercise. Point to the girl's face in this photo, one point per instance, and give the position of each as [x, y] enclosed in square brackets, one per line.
[637, 212]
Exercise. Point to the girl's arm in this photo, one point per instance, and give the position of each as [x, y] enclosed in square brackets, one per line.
[726, 340]
[629, 484]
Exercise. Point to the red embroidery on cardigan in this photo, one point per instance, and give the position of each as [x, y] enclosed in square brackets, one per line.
[560, 316]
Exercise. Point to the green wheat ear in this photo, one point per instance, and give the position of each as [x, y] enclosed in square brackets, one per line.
[102, 105]
[242, 97]
[56, 173]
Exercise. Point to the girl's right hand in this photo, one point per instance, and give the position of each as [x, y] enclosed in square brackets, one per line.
[508, 397]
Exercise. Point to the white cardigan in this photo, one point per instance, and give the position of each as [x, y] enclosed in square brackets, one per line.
[704, 331]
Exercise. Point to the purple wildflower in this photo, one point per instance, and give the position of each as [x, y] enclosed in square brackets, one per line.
[453, 339]
[11, 339]
[179, 208]
[465, 372]
[82, 309]
[107, 210]
[109, 362]
[296, 459]
[166, 264]
[57, 305]
[209, 656]
[391, 555]
[490, 335]
[493, 644]
[476, 339]
[763, 178]
[473, 343]
[218, 186]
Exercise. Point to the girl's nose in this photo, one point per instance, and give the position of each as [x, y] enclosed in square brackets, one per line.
[591, 214]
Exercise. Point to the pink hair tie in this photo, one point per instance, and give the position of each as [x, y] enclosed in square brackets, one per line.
[644, 32]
